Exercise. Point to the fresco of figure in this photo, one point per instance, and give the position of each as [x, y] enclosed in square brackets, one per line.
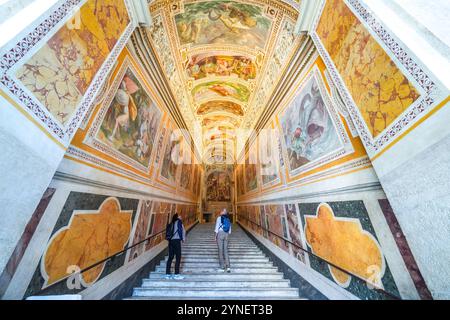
[131, 122]
[308, 129]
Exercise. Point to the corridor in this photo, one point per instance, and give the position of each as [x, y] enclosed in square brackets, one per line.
[321, 126]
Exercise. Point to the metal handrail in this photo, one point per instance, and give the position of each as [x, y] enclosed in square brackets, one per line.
[392, 296]
[104, 260]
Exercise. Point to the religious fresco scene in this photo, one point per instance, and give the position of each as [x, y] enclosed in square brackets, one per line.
[308, 128]
[132, 120]
[222, 22]
[318, 126]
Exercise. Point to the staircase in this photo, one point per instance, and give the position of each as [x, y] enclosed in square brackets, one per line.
[252, 276]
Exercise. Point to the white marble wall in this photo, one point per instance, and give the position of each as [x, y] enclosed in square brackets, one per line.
[28, 162]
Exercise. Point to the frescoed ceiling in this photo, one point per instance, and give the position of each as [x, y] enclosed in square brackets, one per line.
[223, 60]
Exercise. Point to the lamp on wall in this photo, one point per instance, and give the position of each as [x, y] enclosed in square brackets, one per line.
[309, 11]
[142, 13]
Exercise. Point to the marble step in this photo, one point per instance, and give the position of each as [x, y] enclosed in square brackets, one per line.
[216, 259]
[200, 298]
[213, 269]
[214, 264]
[222, 276]
[224, 283]
[216, 292]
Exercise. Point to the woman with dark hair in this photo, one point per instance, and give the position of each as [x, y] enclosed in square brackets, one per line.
[175, 234]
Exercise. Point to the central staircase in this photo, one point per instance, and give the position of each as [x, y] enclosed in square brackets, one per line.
[252, 275]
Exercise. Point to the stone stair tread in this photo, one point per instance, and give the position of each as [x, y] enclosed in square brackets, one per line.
[253, 275]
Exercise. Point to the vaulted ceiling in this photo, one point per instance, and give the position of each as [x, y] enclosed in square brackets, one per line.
[223, 60]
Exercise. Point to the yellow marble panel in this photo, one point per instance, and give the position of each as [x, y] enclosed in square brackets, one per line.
[89, 238]
[379, 88]
[344, 243]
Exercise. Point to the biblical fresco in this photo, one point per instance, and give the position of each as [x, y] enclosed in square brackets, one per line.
[131, 122]
[220, 106]
[59, 73]
[218, 186]
[341, 232]
[219, 120]
[223, 22]
[379, 88]
[308, 130]
[185, 178]
[169, 166]
[268, 155]
[251, 179]
[206, 65]
[220, 89]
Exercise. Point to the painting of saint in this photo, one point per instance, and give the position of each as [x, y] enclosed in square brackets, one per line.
[169, 167]
[185, 178]
[219, 89]
[308, 130]
[202, 66]
[223, 22]
[131, 122]
[268, 155]
[251, 180]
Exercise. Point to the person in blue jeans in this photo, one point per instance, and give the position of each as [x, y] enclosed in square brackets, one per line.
[178, 235]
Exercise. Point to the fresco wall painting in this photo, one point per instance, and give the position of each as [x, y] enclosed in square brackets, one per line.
[130, 121]
[202, 66]
[312, 131]
[52, 79]
[222, 22]
[218, 186]
[169, 168]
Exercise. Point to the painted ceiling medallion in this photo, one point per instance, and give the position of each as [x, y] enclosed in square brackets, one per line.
[219, 54]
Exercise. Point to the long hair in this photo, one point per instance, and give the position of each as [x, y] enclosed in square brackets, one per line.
[174, 218]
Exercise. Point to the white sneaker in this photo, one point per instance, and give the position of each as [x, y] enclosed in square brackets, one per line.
[178, 277]
[228, 270]
[220, 270]
[168, 277]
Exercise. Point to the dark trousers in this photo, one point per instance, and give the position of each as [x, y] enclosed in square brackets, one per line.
[174, 250]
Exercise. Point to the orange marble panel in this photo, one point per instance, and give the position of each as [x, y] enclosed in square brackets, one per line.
[344, 243]
[89, 238]
[379, 88]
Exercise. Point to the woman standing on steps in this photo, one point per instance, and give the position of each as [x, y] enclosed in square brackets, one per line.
[222, 230]
[175, 234]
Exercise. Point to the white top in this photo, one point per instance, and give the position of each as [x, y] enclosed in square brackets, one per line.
[219, 225]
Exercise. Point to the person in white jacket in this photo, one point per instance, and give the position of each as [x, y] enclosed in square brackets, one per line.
[222, 240]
